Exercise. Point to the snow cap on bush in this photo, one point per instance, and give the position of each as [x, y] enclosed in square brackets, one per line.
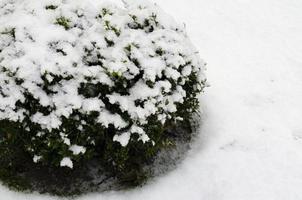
[72, 71]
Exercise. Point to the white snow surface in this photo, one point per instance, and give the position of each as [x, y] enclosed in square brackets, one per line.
[250, 143]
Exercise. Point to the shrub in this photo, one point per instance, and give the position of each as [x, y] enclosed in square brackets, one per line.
[83, 79]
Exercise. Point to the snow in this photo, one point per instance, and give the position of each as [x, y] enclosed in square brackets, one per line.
[250, 143]
[123, 138]
[76, 149]
[92, 104]
[36, 158]
[66, 162]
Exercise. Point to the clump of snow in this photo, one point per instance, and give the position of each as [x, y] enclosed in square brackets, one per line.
[36, 158]
[76, 150]
[66, 162]
[123, 139]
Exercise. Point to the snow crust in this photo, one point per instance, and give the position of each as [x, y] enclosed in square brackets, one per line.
[250, 145]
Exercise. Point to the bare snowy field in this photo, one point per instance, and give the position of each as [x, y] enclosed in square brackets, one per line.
[250, 145]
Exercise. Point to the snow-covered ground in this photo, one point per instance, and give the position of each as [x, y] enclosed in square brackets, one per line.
[250, 143]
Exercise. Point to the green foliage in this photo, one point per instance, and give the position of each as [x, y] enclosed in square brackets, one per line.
[51, 7]
[10, 32]
[63, 21]
[108, 26]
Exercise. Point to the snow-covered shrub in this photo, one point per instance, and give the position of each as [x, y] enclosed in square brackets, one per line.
[86, 78]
